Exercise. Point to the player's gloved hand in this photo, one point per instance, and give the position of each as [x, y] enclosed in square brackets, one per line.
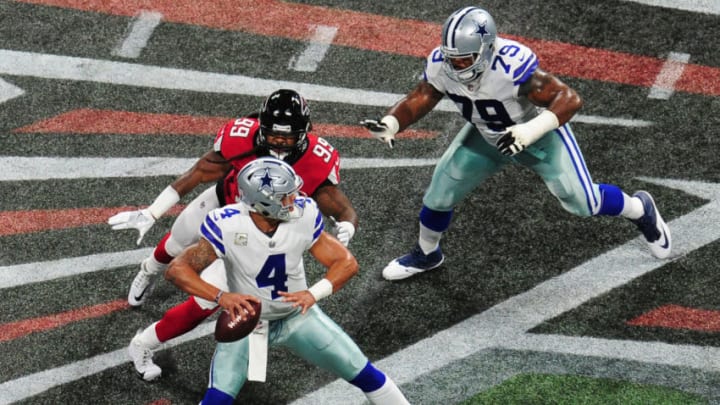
[383, 129]
[518, 137]
[141, 220]
[510, 144]
[345, 231]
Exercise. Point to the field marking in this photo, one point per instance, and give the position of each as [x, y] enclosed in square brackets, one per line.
[37, 272]
[697, 6]
[139, 32]
[112, 122]
[672, 70]
[18, 329]
[506, 324]
[24, 387]
[16, 168]
[58, 67]
[314, 53]
[675, 316]
[15, 222]
[380, 33]
[9, 91]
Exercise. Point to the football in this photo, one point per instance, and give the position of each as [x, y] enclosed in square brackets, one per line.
[228, 331]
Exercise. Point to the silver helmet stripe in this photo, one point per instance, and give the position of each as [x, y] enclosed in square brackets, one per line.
[453, 24]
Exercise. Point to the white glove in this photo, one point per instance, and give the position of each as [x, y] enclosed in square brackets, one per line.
[518, 137]
[510, 144]
[384, 130]
[345, 231]
[141, 220]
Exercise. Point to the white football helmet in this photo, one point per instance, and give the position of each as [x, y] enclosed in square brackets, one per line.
[468, 32]
[264, 183]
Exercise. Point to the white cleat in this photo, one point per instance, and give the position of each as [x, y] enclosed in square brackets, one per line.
[656, 232]
[142, 286]
[142, 360]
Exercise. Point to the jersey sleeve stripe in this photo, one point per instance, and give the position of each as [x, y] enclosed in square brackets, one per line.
[212, 233]
[523, 73]
[319, 226]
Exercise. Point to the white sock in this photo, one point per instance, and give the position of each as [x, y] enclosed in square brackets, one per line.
[388, 394]
[153, 266]
[148, 337]
[428, 239]
[632, 208]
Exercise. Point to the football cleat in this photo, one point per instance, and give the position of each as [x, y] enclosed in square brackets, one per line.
[653, 228]
[141, 357]
[413, 263]
[142, 286]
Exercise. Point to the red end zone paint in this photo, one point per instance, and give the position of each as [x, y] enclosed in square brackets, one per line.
[678, 317]
[17, 222]
[89, 121]
[381, 33]
[14, 330]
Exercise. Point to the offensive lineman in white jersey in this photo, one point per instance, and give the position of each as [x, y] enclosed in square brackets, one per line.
[261, 241]
[516, 113]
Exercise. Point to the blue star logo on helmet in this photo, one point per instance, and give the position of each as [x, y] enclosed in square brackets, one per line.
[266, 181]
[480, 29]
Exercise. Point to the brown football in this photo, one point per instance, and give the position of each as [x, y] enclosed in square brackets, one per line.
[228, 331]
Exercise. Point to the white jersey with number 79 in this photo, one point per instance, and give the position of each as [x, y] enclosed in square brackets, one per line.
[491, 102]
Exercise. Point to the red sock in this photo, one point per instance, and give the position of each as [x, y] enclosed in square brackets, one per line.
[160, 254]
[181, 319]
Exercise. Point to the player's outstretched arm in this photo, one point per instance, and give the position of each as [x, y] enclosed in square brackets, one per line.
[210, 167]
[410, 109]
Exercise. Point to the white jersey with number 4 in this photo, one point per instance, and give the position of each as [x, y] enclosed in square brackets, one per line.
[259, 264]
[491, 102]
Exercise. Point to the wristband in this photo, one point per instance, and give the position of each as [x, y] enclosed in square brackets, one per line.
[392, 123]
[164, 202]
[218, 295]
[321, 289]
[534, 129]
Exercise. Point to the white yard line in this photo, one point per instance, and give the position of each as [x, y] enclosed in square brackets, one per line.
[28, 273]
[698, 6]
[17, 168]
[139, 32]
[672, 70]
[121, 73]
[24, 387]
[9, 91]
[318, 46]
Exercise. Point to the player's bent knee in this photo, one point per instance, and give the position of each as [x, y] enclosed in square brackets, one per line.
[214, 396]
[573, 200]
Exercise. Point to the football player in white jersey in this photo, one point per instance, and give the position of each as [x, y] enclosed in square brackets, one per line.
[261, 241]
[515, 113]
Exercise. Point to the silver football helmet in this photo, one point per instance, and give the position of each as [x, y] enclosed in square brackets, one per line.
[264, 183]
[468, 33]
